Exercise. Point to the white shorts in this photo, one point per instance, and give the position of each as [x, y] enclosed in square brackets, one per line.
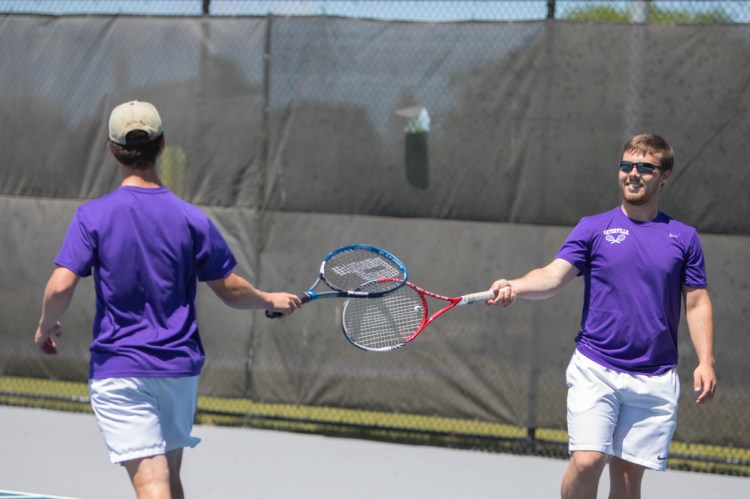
[142, 417]
[629, 416]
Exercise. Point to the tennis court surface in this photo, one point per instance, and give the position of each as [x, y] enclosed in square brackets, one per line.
[51, 455]
[12, 494]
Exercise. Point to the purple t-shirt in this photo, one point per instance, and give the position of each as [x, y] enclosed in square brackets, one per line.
[633, 276]
[147, 249]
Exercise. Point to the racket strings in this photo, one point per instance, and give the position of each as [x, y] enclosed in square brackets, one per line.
[352, 269]
[386, 322]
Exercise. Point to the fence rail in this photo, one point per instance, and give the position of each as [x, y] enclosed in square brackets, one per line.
[658, 11]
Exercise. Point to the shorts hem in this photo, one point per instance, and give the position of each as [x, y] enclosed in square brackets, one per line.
[154, 450]
[129, 455]
[652, 465]
[590, 448]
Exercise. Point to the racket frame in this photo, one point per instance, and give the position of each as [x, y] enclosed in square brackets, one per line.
[453, 302]
[337, 292]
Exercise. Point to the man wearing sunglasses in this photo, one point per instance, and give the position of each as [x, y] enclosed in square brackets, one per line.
[639, 265]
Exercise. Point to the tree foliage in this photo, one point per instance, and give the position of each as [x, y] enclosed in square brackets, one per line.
[656, 15]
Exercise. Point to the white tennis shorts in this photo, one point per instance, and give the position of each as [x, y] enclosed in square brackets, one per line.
[629, 416]
[142, 417]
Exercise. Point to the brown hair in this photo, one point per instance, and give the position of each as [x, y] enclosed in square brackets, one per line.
[140, 153]
[647, 143]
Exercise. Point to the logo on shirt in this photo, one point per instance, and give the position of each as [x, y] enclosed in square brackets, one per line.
[615, 236]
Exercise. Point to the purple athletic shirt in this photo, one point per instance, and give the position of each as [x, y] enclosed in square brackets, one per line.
[147, 249]
[633, 275]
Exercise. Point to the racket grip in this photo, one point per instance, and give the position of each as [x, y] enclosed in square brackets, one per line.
[304, 297]
[482, 296]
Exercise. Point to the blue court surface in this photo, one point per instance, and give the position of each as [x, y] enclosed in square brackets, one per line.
[58, 455]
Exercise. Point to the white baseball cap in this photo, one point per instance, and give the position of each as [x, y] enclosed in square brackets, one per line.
[134, 115]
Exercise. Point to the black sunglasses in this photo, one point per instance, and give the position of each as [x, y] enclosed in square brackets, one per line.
[627, 166]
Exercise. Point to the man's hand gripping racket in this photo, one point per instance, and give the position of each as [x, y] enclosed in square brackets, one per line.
[395, 319]
[355, 271]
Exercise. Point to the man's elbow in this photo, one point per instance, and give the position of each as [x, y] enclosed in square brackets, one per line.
[61, 284]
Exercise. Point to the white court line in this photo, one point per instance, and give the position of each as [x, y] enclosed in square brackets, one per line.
[14, 494]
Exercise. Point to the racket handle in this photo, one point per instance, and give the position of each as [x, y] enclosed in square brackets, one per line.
[304, 297]
[482, 296]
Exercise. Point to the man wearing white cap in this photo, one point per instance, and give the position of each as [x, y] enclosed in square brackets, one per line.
[147, 250]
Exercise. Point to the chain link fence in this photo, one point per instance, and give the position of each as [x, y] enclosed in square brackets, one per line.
[654, 11]
[243, 74]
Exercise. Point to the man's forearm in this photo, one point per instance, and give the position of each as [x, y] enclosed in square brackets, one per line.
[699, 316]
[57, 297]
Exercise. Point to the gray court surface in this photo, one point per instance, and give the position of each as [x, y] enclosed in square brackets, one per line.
[61, 454]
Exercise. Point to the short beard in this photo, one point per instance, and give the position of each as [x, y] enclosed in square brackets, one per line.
[635, 199]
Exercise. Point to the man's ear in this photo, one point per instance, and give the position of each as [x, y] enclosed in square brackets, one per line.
[665, 177]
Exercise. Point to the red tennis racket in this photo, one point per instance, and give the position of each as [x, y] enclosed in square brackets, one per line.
[391, 321]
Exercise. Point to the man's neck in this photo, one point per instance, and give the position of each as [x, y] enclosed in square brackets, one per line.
[641, 213]
[139, 178]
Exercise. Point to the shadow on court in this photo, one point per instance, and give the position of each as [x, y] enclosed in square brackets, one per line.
[62, 454]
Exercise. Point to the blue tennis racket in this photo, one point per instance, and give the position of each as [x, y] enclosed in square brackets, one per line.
[355, 271]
